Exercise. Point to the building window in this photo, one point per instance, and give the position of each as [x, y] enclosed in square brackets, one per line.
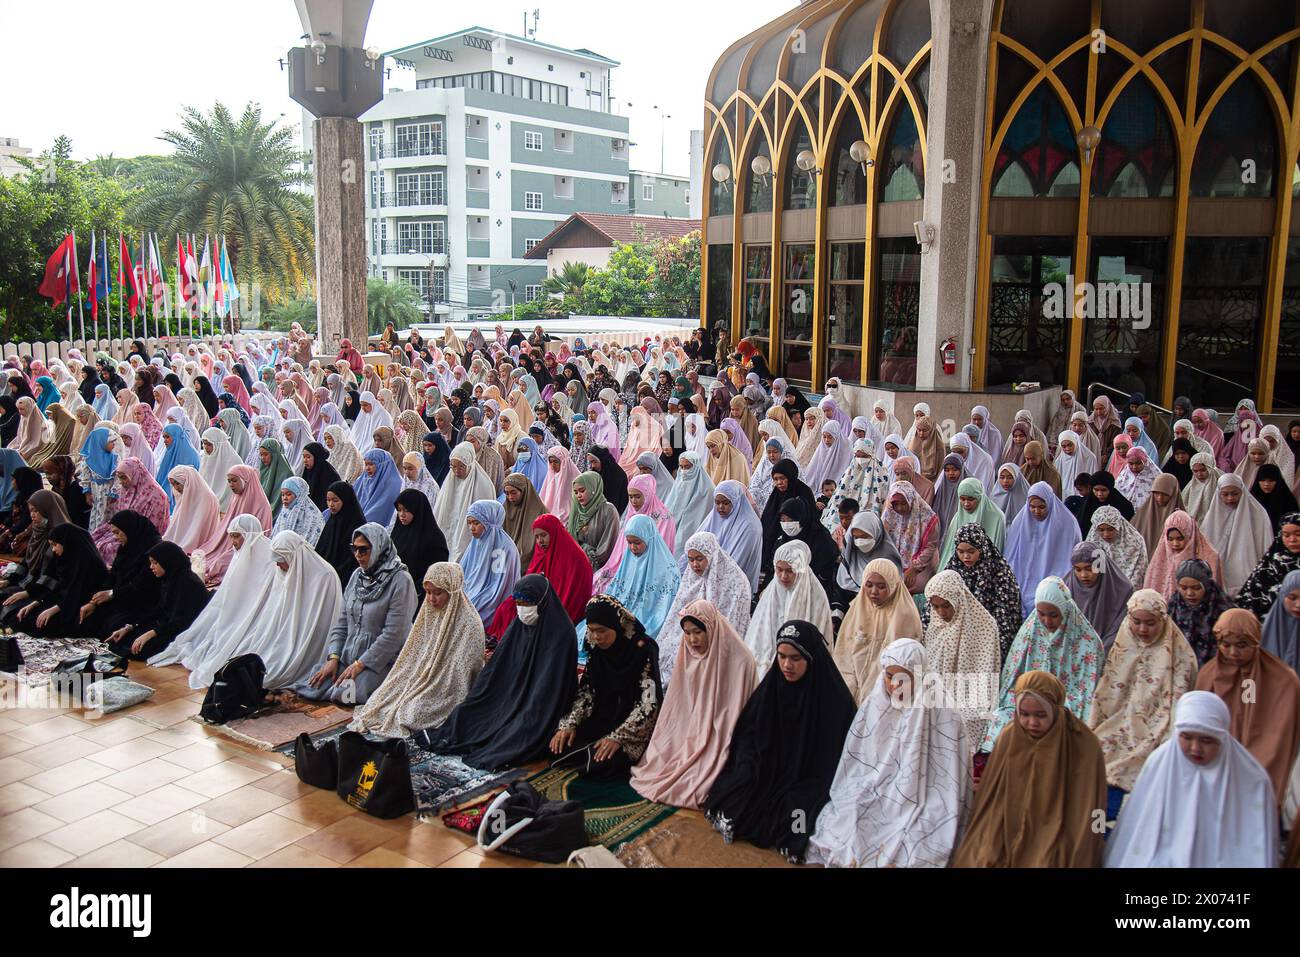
[376, 143]
[505, 84]
[800, 186]
[1125, 319]
[420, 189]
[1237, 152]
[532, 292]
[721, 199]
[797, 309]
[532, 141]
[533, 202]
[425, 238]
[898, 311]
[480, 277]
[1028, 334]
[563, 141]
[648, 192]
[844, 316]
[719, 294]
[758, 292]
[419, 278]
[530, 244]
[1039, 155]
[849, 186]
[419, 139]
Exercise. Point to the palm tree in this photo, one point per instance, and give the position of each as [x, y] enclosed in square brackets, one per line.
[569, 280]
[395, 302]
[239, 178]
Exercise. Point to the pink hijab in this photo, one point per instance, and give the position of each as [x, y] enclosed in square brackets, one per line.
[1207, 429]
[1162, 573]
[31, 429]
[665, 524]
[235, 386]
[143, 416]
[557, 487]
[645, 434]
[197, 518]
[143, 495]
[165, 401]
[219, 550]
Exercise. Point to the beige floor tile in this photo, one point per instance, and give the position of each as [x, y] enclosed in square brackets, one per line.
[430, 844]
[29, 715]
[63, 751]
[166, 713]
[175, 739]
[208, 854]
[147, 776]
[130, 753]
[6, 724]
[68, 777]
[241, 806]
[83, 801]
[383, 857]
[18, 795]
[263, 835]
[10, 746]
[118, 854]
[24, 825]
[199, 755]
[111, 732]
[286, 784]
[294, 856]
[346, 839]
[51, 729]
[34, 853]
[221, 778]
[176, 834]
[470, 859]
[263, 760]
[92, 832]
[159, 804]
[14, 768]
[317, 808]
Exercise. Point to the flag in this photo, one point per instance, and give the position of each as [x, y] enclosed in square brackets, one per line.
[92, 278]
[228, 278]
[104, 280]
[205, 281]
[157, 277]
[127, 278]
[60, 282]
[218, 282]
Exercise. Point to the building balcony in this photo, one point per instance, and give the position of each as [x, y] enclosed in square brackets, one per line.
[414, 198]
[477, 198]
[478, 248]
[413, 247]
[412, 149]
[476, 148]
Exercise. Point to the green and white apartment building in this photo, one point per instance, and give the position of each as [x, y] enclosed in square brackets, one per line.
[482, 144]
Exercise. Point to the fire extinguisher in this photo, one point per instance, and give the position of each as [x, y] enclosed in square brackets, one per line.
[948, 350]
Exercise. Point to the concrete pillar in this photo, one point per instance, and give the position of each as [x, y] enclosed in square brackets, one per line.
[340, 231]
[954, 147]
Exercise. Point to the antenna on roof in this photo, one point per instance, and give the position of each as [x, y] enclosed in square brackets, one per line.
[537, 12]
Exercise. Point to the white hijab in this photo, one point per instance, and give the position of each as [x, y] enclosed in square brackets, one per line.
[804, 600]
[457, 495]
[364, 425]
[214, 468]
[1179, 814]
[1072, 466]
[1240, 535]
[723, 583]
[979, 463]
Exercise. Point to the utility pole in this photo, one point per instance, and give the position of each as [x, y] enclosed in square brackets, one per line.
[513, 286]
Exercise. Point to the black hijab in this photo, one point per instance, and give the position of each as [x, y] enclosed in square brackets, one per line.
[614, 674]
[174, 383]
[183, 594]
[421, 543]
[784, 750]
[1278, 502]
[203, 389]
[134, 585]
[1114, 498]
[79, 572]
[9, 418]
[439, 462]
[1293, 444]
[321, 475]
[240, 370]
[335, 542]
[351, 404]
[800, 402]
[825, 553]
[518, 699]
[771, 517]
[89, 379]
[612, 476]
[1181, 472]
[28, 482]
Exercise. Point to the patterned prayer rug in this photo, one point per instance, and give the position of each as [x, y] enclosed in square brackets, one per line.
[687, 839]
[42, 655]
[441, 781]
[276, 729]
[613, 813]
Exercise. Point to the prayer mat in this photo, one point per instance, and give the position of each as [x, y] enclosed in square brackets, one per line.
[441, 781]
[687, 839]
[42, 655]
[278, 728]
[612, 812]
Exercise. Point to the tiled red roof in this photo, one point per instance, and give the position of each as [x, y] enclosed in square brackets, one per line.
[617, 229]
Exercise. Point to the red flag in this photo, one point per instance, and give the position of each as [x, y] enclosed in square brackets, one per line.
[60, 276]
[126, 277]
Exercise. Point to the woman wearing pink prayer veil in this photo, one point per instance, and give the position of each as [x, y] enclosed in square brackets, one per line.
[645, 434]
[1122, 445]
[1207, 429]
[134, 445]
[643, 489]
[164, 402]
[248, 499]
[317, 417]
[557, 487]
[144, 417]
[604, 430]
[197, 518]
[138, 491]
[126, 405]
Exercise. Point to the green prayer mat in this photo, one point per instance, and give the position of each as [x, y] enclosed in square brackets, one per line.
[613, 813]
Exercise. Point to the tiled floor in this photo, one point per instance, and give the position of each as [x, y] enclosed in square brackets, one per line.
[146, 787]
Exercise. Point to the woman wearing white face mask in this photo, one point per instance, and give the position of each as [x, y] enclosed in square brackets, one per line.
[865, 542]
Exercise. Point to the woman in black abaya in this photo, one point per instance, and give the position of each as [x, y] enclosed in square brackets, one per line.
[183, 595]
[341, 523]
[611, 475]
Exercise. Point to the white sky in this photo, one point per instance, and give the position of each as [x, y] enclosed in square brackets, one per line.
[77, 67]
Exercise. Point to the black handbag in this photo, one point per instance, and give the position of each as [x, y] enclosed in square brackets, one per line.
[375, 776]
[73, 677]
[523, 823]
[11, 655]
[236, 691]
[318, 767]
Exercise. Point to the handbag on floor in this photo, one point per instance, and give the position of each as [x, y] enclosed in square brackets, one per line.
[73, 677]
[11, 655]
[318, 767]
[236, 691]
[522, 823]
[375, 776]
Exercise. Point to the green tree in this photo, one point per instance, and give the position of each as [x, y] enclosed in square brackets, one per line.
[281, 316]
[241, 178]
[569, 280]
[395, 302]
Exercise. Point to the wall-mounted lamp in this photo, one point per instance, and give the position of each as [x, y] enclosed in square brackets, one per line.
[318, 48]
[860, 153]
[925, 234]
[372, 58]
[807, 162]
[761, 166]
[722, 175]
[1088, 139]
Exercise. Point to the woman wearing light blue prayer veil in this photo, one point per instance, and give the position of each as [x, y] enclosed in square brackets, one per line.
[10, 462]
[648, 576]
[690, 501]
[177, 451]
[298, 514]
[738, 529]
[377, 486]
[648, 463]
[1140, 438]
[96, 472]
[1039, 544]
[105, 405]
[491, 562]
[529, 462]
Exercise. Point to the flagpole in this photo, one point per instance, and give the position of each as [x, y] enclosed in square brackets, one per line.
[108, 299]
[81, 312]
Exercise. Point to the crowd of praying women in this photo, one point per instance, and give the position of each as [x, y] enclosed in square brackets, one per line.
[859, 641]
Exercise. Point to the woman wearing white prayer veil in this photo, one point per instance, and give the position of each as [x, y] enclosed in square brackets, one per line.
[978, 462]
[990, 438]
[297, 433]
[218, 459]
[690, 502]
[1239, 529]
[372, 416]
[919, 412]
[794, 593]
[291, 633]
[342, 453]
[697, 430]
[176, 415]
[263, 404]
[233, 611]
[466, 483]
[711, 575]
[1200, 800]
[902, 792]
[1073, 459]
[883, 420]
